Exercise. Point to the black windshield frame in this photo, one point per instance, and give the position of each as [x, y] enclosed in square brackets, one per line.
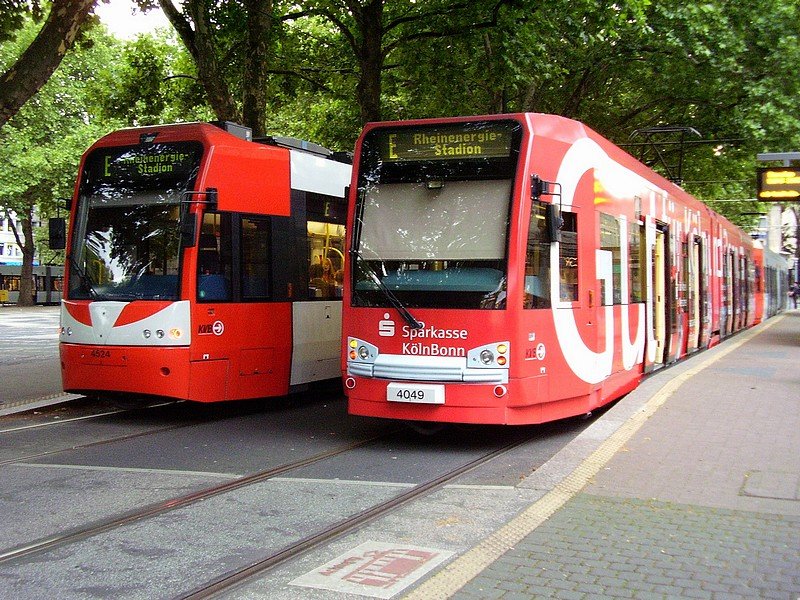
[126, 235]
[460, 282]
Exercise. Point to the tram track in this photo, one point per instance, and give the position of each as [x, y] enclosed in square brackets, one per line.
[254, 527]
[159, 508]
[93, 444]
[237, 577]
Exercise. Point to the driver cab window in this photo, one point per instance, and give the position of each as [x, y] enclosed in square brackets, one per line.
[214, 266]
[537, 260]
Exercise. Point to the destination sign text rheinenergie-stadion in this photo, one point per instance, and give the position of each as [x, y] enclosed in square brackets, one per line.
[486, 140]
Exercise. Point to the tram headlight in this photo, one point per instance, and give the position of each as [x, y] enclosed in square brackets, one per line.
[490, 356]
[147, 333]
[160, 333]
[175, 333]
[360, 350]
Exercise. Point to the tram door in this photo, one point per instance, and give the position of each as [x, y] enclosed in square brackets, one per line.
[729, 293]
[695, 313]
[745, 296]
[660, 296]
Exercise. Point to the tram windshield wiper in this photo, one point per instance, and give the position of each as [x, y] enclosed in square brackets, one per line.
[393, 300]
[85, 279]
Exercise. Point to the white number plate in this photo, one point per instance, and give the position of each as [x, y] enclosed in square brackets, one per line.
[417, 393]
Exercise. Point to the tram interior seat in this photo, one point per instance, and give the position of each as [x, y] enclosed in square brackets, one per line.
[212, 284]
[213, 287]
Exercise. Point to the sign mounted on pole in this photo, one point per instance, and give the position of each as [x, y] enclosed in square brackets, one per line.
[778, 184]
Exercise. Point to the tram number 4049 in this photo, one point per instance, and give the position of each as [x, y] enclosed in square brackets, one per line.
[416, 393]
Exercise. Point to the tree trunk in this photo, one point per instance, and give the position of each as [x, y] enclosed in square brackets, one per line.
[200, 43]
[42, 57]
[254, 101]
[26, 244]
[370, 59]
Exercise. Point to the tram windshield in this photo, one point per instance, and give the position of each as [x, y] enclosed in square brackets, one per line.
[432, 215]
[127, 232]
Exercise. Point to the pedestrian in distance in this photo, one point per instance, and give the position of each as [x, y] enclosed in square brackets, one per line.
[794, 293]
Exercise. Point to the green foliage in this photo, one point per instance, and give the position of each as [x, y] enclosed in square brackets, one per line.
[725, 69]
[153, 81]
[41, 146]
[13, 14]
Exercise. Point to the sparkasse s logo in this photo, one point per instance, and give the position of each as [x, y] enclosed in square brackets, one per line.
[386, 326]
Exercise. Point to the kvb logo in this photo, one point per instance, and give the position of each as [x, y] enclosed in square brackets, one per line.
[386, 326]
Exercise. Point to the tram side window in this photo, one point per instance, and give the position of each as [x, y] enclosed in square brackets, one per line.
[255, 258]
[214, 258]
[537, 261]
[636, 257]
[568, 257]
[610, 241]
[325, 260]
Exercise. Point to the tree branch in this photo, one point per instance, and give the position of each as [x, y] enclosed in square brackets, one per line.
[32, 70]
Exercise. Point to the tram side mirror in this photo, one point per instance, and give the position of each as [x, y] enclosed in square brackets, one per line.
[57, 233]
[188, 229]
[212, 199]
[539, 187]
[553, 221]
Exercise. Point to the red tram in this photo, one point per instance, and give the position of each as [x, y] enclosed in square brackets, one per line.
[203, 266]
[520, 268]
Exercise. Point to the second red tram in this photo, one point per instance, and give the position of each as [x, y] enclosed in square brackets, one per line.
[203, 266]
[520, 268]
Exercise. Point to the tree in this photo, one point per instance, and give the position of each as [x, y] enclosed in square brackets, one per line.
[38, 62]
[153, 82]
[221, 35]
[373, 30]
[41, 146]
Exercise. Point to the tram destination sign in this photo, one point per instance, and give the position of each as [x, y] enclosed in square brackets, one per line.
[484, 140]
[779, 184]
[139, 163]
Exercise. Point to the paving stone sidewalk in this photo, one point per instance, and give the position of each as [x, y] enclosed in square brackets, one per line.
[702, 502]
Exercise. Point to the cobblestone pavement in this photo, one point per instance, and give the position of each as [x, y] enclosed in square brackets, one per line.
[630, 548]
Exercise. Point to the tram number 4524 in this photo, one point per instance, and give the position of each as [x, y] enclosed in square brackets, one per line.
[418, 393]
[98, 353]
